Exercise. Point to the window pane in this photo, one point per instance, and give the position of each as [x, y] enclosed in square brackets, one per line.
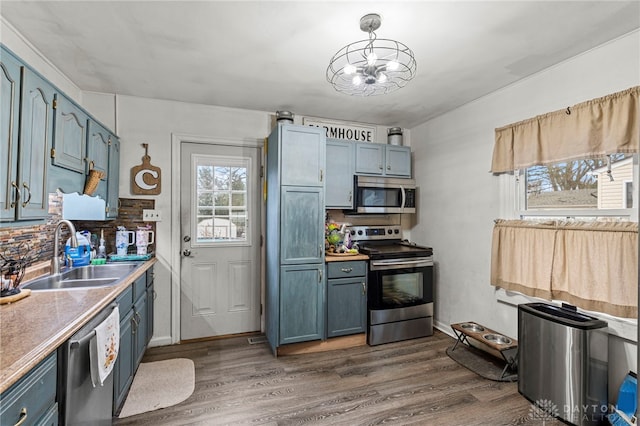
[583, 184]
[222, 177]
[205, 177]
[237, 200]
[222, 199]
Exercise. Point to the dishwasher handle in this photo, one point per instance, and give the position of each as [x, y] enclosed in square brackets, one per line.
[84, 339]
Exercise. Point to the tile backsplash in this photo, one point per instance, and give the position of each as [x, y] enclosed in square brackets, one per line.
[37, 240]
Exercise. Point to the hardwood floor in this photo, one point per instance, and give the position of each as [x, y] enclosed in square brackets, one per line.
[406, 383]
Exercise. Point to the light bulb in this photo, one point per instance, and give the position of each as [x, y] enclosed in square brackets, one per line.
[349, 69]
[356, 80]
[382, 77]
[371, 58]
[392, 65]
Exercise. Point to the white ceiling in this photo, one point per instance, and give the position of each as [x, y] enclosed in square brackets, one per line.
[269, 55]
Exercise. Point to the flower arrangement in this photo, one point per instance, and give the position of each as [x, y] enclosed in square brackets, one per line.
[337, 239]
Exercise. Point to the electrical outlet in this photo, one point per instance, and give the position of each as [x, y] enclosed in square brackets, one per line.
[149, 215]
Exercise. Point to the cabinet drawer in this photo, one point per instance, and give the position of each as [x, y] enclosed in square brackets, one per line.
[346, 269]
[32, 396]
[139, 287]
[125, 302]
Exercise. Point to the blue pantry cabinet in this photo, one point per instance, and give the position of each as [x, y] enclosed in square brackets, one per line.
[295, 289]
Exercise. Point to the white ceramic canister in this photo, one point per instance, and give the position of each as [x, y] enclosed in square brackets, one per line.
[394, 135]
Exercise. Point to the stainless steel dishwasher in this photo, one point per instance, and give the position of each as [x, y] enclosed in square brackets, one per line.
[563, 362]
[83, 404]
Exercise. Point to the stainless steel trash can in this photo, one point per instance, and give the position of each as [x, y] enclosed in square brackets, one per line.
[563, 362]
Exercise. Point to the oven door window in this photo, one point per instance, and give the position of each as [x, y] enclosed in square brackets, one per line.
[402, 290]
[379, 197]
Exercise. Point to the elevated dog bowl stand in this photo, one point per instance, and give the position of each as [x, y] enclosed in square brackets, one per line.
[489, 341]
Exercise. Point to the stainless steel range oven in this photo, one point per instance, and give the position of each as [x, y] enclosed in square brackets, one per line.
[400, 285]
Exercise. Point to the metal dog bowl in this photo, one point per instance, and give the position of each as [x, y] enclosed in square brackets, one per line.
[497, 338]
[472, 327]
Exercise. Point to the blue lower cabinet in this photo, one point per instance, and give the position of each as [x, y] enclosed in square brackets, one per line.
[32, 400]
[346, 298]
[302, 303]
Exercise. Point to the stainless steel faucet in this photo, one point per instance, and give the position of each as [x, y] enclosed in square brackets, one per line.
[55, 261]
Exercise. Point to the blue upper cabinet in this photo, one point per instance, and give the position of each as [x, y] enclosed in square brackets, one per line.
[70, 137]
[113, 182]
[398, 161]
[383, 160]
[36, 132]
[302, 155]
[98, 147]
[370, 158]
[339, 179]
[9, 115]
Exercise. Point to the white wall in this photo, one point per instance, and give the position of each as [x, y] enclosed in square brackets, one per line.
[12, 39]
[459, 198]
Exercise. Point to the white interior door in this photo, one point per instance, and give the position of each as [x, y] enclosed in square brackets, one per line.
[220, 237]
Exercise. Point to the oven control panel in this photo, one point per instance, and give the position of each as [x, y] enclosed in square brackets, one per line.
[368, 233]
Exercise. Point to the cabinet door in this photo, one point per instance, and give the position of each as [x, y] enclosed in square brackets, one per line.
[123, 368]
[140, 328]
[36, 130]
[70, 137]
[113, 178]
[301, 225]
[339, 179]
[98, 147]
[301, 303]
[9, 115]
[150, 311]
[370, 158]
[398, 161]
[346, 306]
[302, 151]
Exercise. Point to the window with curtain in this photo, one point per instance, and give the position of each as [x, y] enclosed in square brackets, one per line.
[580, 162]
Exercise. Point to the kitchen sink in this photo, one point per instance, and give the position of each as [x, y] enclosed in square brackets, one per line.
[84, 277]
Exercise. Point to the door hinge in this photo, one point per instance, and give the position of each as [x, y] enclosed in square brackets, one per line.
[261, 171]
[55, 104]
[261, 309]
[53, 153]
[261, 240]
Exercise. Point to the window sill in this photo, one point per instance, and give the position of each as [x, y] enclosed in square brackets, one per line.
[623, 328]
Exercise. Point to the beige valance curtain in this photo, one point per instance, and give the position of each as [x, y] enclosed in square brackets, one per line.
[593, 265]
[595, 128]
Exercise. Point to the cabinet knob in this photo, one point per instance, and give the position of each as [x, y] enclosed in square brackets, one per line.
[25, 186]
[347, 270]
[23, 416]
[17, 192]
[364, 288]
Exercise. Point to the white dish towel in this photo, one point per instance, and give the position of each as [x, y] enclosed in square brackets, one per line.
[103, 348]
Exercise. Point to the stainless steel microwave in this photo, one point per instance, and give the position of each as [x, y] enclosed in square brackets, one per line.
[384, 195]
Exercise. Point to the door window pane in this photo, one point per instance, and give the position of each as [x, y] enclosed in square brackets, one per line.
[222, 197]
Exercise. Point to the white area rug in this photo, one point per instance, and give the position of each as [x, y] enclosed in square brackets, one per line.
[158, 385]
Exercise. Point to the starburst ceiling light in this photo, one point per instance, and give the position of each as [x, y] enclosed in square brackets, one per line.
[371, 67]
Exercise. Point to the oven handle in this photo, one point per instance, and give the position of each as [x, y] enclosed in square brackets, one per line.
[397, 264]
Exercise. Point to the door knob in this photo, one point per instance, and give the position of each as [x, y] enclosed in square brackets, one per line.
[186, 238]
[187, 253]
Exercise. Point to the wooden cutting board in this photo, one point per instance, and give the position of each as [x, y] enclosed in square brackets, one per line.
[146, 178]
[14, 298]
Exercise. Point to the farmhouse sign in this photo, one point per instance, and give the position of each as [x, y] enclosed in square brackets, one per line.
[145, 178]
[340, 130]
